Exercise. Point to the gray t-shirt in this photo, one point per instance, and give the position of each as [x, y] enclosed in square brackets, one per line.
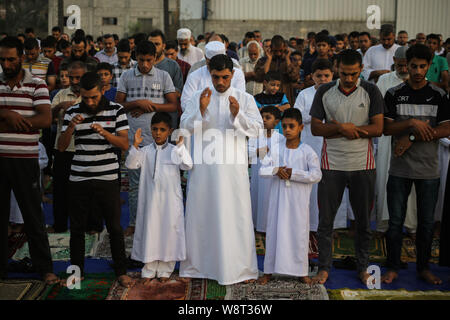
[357, 106]
[431, 103]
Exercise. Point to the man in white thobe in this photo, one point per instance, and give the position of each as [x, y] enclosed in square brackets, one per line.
[220, 242]
[201, 78]
[187, 52]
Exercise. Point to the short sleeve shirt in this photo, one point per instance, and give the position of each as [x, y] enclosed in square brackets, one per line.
[438, 65]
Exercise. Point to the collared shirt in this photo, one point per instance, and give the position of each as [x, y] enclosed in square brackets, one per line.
[252, 86]
[151, 86]
[118, 70]
[192, 55]
[38, 68]
[28, 94]
[63, 96]
[438, 65]
[378, 58]
[102, 56]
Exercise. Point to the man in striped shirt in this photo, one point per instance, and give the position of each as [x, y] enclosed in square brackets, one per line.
[353, 112]
[98, 126]
[24, 109]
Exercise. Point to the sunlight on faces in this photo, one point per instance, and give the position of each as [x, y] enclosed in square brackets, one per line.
[296, 60]
[253, 52]
[364, 42]
[78, 49]
[145, 62]
[32, 55]
[339, 45]
[349, 74]
[221, 79]
[160, 132]
[266, 45]
[401, 66]
[64, 78]
[322, 48]
[92, 97]
[49, 52]
[171, 53]
[420, 38]
[160, 46]
[269, 120]
[75, 75]
[56, 34]
[131, 42]
[124, 58]
[322, 76]
[354, 43]
[278, 51]
[272, 86]
[10, 61]
[433, 44]
[109, 44]
[67, 52]
[291, 128]
[387, 40]
[402, 39]
[417, 69]
[105, 77]
[184, 44]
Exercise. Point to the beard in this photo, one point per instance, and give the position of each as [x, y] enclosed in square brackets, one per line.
[12, 73]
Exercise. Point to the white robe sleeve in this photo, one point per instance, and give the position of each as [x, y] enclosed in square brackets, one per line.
[189, 89]
[367, 64]
[43, 159]
[252, 147]
[248, 121]
[313, 175]
[183, 157]
[268, 167]
[300, 104]
[239, 80]
[135, 158]
[192, 117]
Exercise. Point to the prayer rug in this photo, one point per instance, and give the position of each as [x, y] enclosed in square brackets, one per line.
[409, 250]
[278, 288]
[95, 286]
[260, 242]
[401, 294]
[344, 246]
[15, 242]
[59, 246]
[174, 289]
[24, 289]
[102, 249]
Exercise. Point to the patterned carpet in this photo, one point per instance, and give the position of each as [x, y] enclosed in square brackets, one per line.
[15, 242]
[361, 294]
[260, 242]
[21, 289]
[102, 249]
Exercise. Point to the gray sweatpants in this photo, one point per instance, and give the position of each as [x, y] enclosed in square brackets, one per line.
[361, 185]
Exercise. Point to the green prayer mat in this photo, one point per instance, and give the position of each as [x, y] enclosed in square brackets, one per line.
[59, 247]
[401, 294]
[95, 286]
[344, 246]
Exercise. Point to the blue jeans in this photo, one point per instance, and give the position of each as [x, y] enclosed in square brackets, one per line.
[398, 190]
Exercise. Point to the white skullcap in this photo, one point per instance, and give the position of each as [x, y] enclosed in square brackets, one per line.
[400, 53]
[214, 48]
[253, 42]
[184, 33]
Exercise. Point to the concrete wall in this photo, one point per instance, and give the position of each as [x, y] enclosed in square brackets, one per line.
[235, 29]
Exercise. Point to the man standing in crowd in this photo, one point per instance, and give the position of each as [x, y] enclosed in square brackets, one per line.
[109, 53]
[365, 42]
[79, 54]
[248, 67]
[438, 70]
[124, 61]
[171, 52]
[402, 38]
[188, 52]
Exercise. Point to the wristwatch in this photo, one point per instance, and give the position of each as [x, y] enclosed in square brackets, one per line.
[412, 137]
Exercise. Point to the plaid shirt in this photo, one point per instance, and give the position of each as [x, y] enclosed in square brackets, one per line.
[118, 70]
[185, 67]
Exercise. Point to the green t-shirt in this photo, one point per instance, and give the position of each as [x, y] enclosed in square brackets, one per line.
[438, 65]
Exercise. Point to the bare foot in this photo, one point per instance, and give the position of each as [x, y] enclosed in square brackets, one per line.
[320, 278]
[164, 279]
[249, 281]
[126, 281]
[184, 280]
[389, 276]
[364, 277]
[430, 277]
[75, 280]
[51, 278]
[146, 281]
[306, 280]
[128, 231]
[264, 279]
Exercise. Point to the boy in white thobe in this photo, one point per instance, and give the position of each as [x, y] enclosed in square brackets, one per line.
[257, 149]
[294, 167]
[159, 238]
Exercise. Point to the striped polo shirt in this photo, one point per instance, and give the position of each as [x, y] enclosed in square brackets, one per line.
[357, 106]
[23, 99]
[94, 157]
[39, 68]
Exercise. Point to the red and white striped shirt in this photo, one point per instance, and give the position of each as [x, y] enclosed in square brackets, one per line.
[23, 99]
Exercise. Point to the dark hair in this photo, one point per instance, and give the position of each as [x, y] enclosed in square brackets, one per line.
[387, 29]
[21, 35]
[419, 51]
[78, 40]
[77, 64]
[89, 38]
[402, 31]
[79, 33]
[107, 36]
[311, 35]
[292, 38]
[158, 33]
[200, 37]
[233, 46]
[447, 41]
[297, 53]
[160, 116]
[255, 31]
[221, 62]
[63, 44]
[321, 64]
[99, 39]
[116, 37]
[172, 44]
[56, 28]
[30, 43]
[224, 38]
[339, 37]
[49, 42]
[321, 37]
[63, 67]
[11, 43]
[272, 110]
[300, 42]
[349, 57]
[138, 37]
[145, 47]
[249, 35]
[325, 31]
[364, 33]
[434, 36]
[29, 30]
[353, 34]
[272, 76]
[293, 113]
[123, 46]
[131, 37]
[90, 80]
[277, 41]
[104, 66]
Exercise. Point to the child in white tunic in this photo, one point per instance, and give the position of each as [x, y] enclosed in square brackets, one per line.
[293, 168]
[258, 148]
[159, 238]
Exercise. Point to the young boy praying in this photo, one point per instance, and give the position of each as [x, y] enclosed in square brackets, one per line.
[159, 238]
[105, 72]
[293, 168]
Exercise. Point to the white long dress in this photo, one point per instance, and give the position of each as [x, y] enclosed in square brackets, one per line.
[287, 236]
[260, 188]
[303, 103]
[220, 240]
[159, 233]
[444, 155]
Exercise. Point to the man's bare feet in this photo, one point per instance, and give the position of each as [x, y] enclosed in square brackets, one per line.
[51, 278]
[75, 280]
[306, 280]
[264, 279]
[126, 281]
[364, 277]
[128, 231]
[164, 279]
[149, 281]
[429, 277]
[320, 278]
[184, 280]
[389, 276]
[249, 281]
